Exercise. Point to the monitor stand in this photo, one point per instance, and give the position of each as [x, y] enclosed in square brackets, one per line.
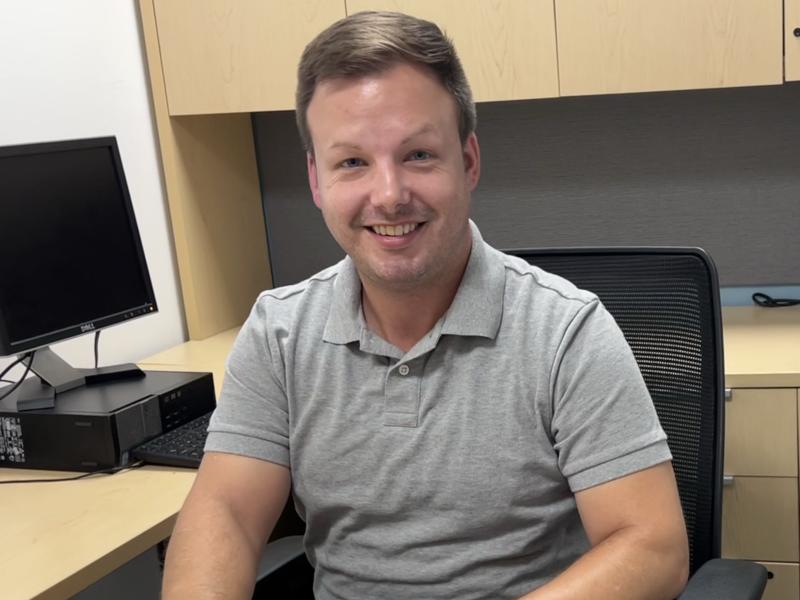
[57, 375]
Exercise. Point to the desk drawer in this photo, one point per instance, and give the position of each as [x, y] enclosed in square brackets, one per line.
[760, 519]
[785, 582]
[761, 432]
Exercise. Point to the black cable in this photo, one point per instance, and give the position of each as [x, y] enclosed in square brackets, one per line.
[24, 375]
[96, 347]
[11, 366]
[6, 381]
[109, 471]
[769, 302]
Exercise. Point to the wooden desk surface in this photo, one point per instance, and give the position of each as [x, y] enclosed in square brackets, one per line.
[58, 538]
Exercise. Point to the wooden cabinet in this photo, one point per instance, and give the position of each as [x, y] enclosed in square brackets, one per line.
[760, 499]
[222, 57]
[791, 21]
[760, 503]
[507, 47]
[784, 583]
[615, 46]
[761, 432]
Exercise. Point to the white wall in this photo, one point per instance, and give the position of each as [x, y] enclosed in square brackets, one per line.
[74, 70]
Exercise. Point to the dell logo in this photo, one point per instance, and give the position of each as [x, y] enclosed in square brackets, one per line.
[87, 327]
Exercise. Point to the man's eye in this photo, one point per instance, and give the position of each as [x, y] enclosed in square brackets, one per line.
[350, 163]
[419, 155]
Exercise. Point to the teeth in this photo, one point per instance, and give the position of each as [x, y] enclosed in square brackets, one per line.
[394, 230]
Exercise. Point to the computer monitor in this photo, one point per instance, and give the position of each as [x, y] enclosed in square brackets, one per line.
[71, 260]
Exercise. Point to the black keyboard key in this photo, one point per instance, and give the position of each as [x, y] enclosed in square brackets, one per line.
[179, 447]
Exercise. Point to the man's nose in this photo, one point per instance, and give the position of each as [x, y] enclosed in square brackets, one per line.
[390, 191]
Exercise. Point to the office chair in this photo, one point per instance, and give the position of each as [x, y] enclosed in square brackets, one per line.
[666, 301]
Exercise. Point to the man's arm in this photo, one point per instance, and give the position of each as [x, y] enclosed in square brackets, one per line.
[221, 530]
[638, 536]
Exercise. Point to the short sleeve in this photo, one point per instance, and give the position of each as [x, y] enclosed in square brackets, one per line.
[252, 417]
[604, 424]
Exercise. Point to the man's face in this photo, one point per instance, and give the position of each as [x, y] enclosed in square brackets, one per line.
[391, 176]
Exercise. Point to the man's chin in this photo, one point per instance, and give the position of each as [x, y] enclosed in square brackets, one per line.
[396, 277]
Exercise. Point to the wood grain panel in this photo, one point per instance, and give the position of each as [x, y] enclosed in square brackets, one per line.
[761, 432]
[759, 519]
[784, 583]
[762, 347]
[222, 56]
[507, 47]
[791, 41]
[612, 46]
[214, 202]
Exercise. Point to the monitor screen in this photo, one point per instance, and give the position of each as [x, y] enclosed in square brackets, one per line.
[71, 260]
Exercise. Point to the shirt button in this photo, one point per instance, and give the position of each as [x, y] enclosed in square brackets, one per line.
[403, 370]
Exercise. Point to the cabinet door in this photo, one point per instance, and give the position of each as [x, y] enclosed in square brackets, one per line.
[613, 46]
[761, 432]
[785, 582]
[792, 23]
[507, 47]
[222, 56]
[759, 519]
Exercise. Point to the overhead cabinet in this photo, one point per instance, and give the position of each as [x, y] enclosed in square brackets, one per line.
[223, 57]
[618, 46]
[507, 47]
[792, 39]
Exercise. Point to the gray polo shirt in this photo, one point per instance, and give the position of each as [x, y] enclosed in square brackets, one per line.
[447, 471]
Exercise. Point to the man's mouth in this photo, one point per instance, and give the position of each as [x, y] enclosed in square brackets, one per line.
[394, 230]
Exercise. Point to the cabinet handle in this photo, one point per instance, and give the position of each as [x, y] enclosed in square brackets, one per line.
[728, 394]
[796, 32]
[727, 480]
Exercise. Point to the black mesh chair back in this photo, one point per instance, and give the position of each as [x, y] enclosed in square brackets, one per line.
[666, 301]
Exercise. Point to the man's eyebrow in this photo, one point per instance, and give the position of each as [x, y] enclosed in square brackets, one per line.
[427, 128]
[348, 145]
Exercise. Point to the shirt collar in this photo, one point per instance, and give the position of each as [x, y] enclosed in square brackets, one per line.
[477, 308]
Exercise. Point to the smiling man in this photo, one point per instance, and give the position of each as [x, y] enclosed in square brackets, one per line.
[451, 421]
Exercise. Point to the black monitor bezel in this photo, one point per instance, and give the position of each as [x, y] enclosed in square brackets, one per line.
[13, 347]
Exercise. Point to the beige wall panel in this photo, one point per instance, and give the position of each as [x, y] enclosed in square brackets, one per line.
[214, 203]
[759, 519]
[613, 46]
[219, 214]
[785, 583]
[792, 42]
[761, 432]
[507, 47]
[223, 56]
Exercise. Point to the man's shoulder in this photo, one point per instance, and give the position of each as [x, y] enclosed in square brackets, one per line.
[316, 287]
[307, 301]
[523, 278]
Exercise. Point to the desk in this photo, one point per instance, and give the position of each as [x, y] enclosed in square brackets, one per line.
[65, 536]
[59, 538]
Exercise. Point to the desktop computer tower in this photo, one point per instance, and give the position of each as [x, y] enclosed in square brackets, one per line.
[94, 427]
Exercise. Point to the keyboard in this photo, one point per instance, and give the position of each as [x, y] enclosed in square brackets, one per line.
[179, 447]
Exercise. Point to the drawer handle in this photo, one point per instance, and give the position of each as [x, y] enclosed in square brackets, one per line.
[727, 480]
[728, 394]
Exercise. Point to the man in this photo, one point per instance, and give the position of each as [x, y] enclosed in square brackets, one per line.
[452, 422]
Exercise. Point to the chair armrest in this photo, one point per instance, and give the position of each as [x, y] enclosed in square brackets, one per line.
[278, 553]
[726, 579]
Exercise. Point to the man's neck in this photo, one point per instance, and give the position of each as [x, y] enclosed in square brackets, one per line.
[403, 318]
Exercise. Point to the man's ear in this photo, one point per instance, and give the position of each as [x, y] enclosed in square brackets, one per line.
[472, 160]
[313, 178]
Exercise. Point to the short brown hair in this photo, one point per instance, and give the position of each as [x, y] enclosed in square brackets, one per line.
[370, 42]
